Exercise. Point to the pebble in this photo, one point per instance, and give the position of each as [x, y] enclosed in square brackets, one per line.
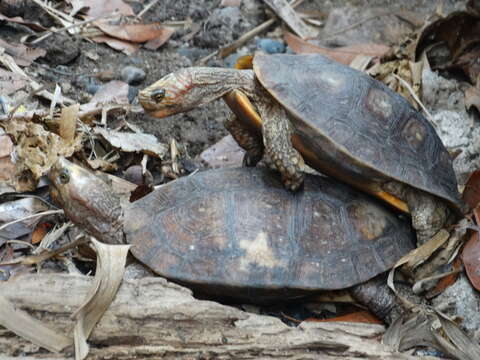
[271, 46]
[92, 88]
[132, 74]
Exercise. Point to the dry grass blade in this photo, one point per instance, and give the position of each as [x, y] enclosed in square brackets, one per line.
[412, 93]
[287, 14]
[110, 268]
[68, 121]
[22, 324]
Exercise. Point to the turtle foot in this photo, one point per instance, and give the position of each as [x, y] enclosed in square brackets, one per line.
[291, 168]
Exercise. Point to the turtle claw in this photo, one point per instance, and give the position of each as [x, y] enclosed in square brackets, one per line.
[293, 182]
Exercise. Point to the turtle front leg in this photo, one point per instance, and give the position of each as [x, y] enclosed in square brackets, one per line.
[247, 140]
[277, 132]
[429, 214]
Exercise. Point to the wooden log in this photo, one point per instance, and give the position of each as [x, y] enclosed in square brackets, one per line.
[151, 317]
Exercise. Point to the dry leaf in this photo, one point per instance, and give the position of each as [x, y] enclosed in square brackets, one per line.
[126, 47]
[136, 33]
[18, 210]
[37, 150]
[361, 316]
[472, 97]
[471, 193]
[40, 231]
[68, 122]
[97, 8]
[471, 254]
[344, 55]
[22, 324]
[10, 82]
[115, 92]
[109, 274]
[161, 39]
[134, 142]
[7, 166]
[446, 281]
[18, 20]
[285, 12]
[23, 55]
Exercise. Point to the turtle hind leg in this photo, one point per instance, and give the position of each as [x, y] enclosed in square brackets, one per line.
[277, 132]
[429, 214]
[247, 140]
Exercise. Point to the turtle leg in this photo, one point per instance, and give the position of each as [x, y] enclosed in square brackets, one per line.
[249, 141]
[277, 132]
[429, 214]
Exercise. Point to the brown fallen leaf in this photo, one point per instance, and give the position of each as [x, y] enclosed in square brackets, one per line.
[40, 231]
[68, 122]
[161, 39]
[468, 63]
[23, 55]
[21, 212]
[446, 281]
[360, 316]
[18, 20]
[344, 55]
[471, 193]
[136, 33]
[97, 8]
[126, 47]
[471, 254]
[472, 97]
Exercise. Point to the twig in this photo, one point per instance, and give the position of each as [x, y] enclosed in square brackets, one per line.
[227, 50]
[43, 213]
[48, 33]
[410, 90]
[148, 7]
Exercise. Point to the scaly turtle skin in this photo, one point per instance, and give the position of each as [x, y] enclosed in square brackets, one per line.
[238, 233]
[341, 121]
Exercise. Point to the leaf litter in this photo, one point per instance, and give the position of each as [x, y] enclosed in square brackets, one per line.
[73, 129]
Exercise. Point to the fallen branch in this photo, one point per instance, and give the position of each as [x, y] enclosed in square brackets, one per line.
[151, 317]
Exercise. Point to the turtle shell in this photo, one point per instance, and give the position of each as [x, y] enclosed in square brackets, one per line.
[238, 232]
[353, 127]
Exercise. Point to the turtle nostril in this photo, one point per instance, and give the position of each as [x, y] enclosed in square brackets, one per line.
[157, 95]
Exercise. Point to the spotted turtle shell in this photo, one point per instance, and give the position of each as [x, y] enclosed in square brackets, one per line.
[357, 128]
[238, 232]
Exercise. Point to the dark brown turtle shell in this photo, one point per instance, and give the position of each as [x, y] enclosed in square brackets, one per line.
[353, 127]
[238, 232]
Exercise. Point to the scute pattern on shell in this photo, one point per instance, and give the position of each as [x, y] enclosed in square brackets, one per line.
[239, 230]
[357, 124]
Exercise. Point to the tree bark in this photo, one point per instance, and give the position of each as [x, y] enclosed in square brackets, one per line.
[151, 317]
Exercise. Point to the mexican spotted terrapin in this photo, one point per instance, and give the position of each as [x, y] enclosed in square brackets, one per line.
[338, 120]
[238, 233]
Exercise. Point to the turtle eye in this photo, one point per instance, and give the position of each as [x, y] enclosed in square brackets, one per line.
[64, 177]
[157, 95]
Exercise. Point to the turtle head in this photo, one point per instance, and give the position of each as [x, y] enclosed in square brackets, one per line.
[186, 89]
[87, 200]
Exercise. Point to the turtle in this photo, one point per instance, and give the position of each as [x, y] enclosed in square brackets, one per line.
[309, 109]
[236, 232]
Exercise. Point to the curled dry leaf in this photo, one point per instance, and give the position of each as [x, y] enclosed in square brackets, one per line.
[344, 55]
[7, 166]
[18, 210]
[136, 33]
[40, 231]
[108, 277]
[134, 142]
[471, 252]
[23, 55]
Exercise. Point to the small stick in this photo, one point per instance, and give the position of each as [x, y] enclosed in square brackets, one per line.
[409, 88]
[148, 7]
